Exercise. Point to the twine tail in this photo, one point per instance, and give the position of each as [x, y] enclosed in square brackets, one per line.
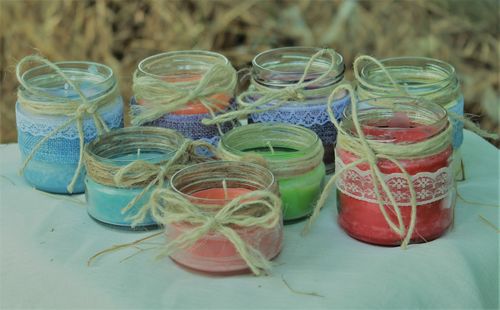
[253, 258]
[79, 124]
[472, 126]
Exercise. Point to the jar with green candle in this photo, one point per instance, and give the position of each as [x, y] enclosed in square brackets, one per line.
[293, 153]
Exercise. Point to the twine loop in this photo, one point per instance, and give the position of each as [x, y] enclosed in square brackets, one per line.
[76, 111]
[259, 98]
[370, 151]
[259, 208]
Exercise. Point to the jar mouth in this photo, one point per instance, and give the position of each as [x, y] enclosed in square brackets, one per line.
[391, 119]
[416, 74]
[211, 175]
[292, 142]
[180, 66]
[284, 66]
[94, 79]
[125, 145]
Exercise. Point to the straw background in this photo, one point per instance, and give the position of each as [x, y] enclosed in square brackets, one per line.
[121, 33]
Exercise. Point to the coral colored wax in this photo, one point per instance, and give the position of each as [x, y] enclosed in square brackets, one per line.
[364, 221]
[214, 252]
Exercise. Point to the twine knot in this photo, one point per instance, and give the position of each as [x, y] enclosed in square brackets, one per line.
[294, 93]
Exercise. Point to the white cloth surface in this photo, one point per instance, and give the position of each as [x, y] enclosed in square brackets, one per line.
[47, 239]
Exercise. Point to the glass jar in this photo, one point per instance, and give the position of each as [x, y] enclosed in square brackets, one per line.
[210, 186]
[115, 150]
[283, 67]
[293, 153]
[55, 162]
[428, 78]
[400, 122]
[184, 70]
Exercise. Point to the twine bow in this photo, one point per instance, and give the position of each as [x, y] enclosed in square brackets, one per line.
[161, 97]
[403, 91]
[76, 111]
[370, 153]
[140, 171]
[255, 209]
[279, 96]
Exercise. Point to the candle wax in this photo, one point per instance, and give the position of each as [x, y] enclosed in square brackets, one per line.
[105, 203]
[364, 221]
[214, 252]
[298, 193]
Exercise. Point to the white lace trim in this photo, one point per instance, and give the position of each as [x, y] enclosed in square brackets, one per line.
[429, 186]
[307, 115]
[40, 125]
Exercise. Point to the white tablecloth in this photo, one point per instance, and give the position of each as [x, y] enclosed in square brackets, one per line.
[46, 241]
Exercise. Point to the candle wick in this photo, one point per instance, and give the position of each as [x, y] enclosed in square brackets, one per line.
[224, 187]
[270, 147]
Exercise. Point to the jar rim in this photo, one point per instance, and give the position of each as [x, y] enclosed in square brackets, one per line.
[106, 73]
[221, 164]
[434, 113]
[446, 70]
[166, 56]
[258, 63]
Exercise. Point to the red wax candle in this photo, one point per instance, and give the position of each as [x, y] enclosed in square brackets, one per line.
[359, 213]
[213, 252]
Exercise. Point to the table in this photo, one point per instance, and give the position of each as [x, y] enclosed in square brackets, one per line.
[47, 239]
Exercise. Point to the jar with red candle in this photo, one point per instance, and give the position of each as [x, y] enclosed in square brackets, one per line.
[209, 187]
[177, 90]
[405, 130]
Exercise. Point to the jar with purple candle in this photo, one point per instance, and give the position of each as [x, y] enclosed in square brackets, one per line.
[61, 107]
[292, 85]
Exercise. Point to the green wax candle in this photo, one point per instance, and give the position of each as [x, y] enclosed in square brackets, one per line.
[293, 154]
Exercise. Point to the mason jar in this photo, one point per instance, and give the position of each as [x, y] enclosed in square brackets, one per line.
[293, 153]
[283, 67]
[393, 123]
[209, 187]
[54, 164]
[109, 200]
[180, 72]
[431, 79]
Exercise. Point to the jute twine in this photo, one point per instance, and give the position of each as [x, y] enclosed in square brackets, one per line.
[272, 98]
[75, 110]
[304, 142]
[260, 208]
[140, 173]
[370, 151]
[400, 90]
[161, 97]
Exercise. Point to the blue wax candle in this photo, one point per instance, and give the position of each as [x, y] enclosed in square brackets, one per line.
[55, 162]
[105, 203]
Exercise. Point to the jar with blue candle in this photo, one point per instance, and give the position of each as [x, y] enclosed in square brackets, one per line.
[61, 107]
[179, 89]
[126, 166]
[292, 85]
[427, 78]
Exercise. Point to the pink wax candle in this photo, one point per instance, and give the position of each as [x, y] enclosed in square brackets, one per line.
[214, 252]
[359, 213]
